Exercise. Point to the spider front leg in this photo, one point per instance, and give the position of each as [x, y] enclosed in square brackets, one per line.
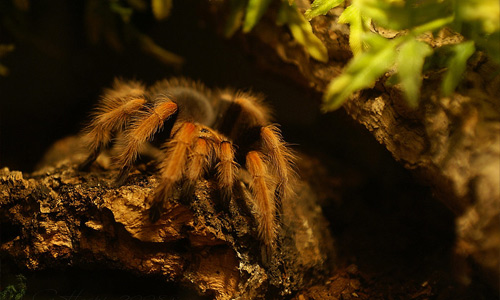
[190, 153]
[211, 147]
[198, 161]
[246, 113]
[141, 130]
[171, 169]
[281, 160]
[265, 206]
[112, 114]
[226, 171]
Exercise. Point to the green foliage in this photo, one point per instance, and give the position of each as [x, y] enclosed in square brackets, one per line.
[302, 31]
[402, 57]
[402, 15]
[247, 14]
[361, 72]
[124, 12]
[321, 7]
[457, 63]
[255, 11]
[409, 62]
[479, 20]
[359, 24]
[16, 290]
[483, 12]
[406, 54]
[235, 17]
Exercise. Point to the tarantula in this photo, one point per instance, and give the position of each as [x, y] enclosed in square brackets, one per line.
[209, 132]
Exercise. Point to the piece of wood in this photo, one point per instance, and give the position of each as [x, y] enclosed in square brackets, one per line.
[63, 217]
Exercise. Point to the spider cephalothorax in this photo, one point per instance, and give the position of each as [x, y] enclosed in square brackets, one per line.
[207, 131]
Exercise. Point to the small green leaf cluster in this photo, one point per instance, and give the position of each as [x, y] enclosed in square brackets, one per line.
[246, 14]
[15, 291]
[403, 56]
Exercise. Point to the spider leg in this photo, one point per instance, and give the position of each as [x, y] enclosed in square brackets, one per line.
[111, 115]
[246, 120]
[85, 165]
[141, 130]
[171, 169]
[226, 170]
[280, 160]
[264, 203]
[198, 162]
[211, 146]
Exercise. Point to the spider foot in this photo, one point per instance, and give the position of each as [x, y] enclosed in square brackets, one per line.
[187, 191]
[225, 197]
[85, 166]
[155, 212]
[122, 177]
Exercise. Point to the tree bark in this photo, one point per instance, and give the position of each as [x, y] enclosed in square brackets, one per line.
[452, 143]
[59, 216]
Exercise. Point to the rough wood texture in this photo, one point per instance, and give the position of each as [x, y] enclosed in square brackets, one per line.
[58, 216]
[452, 143]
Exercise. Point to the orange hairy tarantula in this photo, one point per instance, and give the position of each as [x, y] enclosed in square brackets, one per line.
[207, 131]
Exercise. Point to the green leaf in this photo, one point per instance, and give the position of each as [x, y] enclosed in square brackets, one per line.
[235, 17]
[124, 12]
[400, 15]
[375, 42]
[161, 8]
[433, 25]
[410, 61]
[358, 26]
[302, 31]
[479, 20]
[15, 291]
[491, 45]
[361, 72]
[486, 12]
[321, 7]
[456, 66]
[255, 11]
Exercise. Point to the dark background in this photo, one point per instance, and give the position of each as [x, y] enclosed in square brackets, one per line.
[56, 74]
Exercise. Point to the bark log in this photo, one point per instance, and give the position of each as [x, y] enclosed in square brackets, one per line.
[59, 216]
[452, 143]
